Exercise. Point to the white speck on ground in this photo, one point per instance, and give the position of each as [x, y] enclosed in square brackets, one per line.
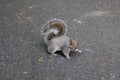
[25, 72]
[63, 9]
[102, 78]
[112, 76]
[80, 22]
[74, 66]
[31, 7]
[96, 13]
[89, 50]
[52, 68]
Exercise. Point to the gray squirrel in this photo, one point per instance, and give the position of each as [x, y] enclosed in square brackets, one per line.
[54, 33]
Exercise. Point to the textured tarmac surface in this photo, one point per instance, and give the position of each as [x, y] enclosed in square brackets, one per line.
[95, 24]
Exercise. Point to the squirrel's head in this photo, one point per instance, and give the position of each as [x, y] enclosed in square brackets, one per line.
[74, 44]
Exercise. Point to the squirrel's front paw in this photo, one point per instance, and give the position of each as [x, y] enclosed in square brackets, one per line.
[68, 57]
[54, 54]
[80, 51]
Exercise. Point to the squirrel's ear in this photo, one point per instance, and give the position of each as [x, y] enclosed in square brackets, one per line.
[71, 41]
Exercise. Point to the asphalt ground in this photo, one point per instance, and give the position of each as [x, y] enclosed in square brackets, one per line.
[95, 24]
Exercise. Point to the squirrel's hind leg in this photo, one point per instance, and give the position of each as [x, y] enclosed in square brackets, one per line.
[66, 52]
[52, 51]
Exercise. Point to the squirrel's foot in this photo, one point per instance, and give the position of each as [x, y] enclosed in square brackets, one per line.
[77, 50]
[54, 54]
[68, 57]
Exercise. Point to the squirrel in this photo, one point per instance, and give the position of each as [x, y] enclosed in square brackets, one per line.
[54, 33]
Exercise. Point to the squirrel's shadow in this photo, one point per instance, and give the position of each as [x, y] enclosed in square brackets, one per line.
[72, 54]
[59, 53]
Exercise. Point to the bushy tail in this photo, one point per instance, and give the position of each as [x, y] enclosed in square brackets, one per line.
[54, 27]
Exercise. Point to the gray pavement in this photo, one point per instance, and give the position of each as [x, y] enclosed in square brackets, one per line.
[95, 24]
